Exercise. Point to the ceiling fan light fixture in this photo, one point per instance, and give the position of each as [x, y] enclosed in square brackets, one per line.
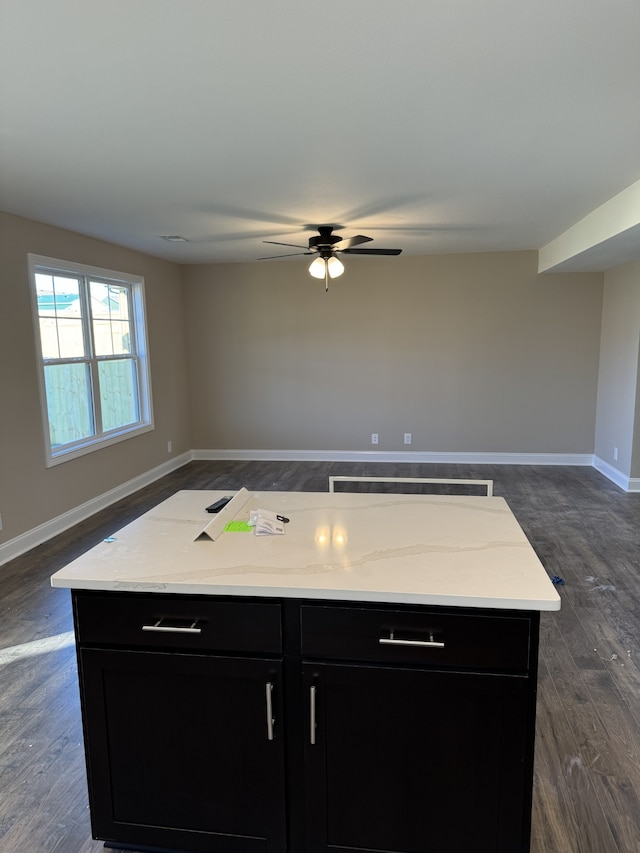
[335, 267]
[321, 267]
[317, 268]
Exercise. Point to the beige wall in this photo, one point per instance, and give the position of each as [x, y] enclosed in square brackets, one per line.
[30, 493]
[467, 352]
[618, 397]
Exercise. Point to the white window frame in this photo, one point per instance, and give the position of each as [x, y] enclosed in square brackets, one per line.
[63, 453]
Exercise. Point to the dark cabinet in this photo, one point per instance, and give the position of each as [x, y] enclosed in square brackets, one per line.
[429, 753]
[413, 760]
[321, 728]
[185, 745]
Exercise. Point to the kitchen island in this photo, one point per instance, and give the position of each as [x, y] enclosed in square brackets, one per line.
[364, 682]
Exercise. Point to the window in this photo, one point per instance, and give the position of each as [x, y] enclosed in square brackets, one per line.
[92, 353]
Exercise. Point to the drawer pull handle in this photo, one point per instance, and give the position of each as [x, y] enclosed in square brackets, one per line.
[173, 629]
[270, 720]
[423, 644]
[312, 716]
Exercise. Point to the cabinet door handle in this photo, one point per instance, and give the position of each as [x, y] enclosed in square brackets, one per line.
[423, 644]
[270, 720]
[312, 716]
[173, 629]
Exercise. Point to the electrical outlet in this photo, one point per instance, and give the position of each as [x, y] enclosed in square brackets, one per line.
[407, 438]
[615, 454]
[374, 438]
[169, 446]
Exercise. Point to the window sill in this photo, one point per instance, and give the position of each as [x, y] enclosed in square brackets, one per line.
[90, 446]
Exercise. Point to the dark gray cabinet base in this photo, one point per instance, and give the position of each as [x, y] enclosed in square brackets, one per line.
[283, 726]
[179, 747]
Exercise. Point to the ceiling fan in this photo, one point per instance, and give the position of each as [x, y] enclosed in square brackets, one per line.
[327, 246]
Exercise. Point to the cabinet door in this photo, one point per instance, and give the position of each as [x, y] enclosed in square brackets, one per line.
[416, 761]
[181, 750]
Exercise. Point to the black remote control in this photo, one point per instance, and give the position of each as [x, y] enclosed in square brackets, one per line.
[218, 505]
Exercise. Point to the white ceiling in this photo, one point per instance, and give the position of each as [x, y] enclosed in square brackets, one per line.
[433, 126]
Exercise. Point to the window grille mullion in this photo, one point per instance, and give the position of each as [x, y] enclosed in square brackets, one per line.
[97, 400]
[87, 315]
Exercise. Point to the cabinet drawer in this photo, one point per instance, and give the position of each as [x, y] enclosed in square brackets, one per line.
[180, 622]
[431, 637]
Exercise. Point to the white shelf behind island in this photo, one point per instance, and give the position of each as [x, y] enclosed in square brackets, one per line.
[406, 549]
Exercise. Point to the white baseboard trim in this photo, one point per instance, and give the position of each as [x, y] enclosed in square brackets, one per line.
[23, 543]
[628, 484]
[585, 459]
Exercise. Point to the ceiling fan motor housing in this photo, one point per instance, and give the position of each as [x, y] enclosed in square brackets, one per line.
[325, 239]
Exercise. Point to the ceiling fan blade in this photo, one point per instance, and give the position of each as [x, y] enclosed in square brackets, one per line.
[288, 255]
[293, 245]
[370, 251]
[348, 242]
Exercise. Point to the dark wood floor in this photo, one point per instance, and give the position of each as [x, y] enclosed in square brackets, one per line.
[587, 777]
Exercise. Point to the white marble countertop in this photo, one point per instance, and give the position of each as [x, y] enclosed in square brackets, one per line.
[433, 550]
